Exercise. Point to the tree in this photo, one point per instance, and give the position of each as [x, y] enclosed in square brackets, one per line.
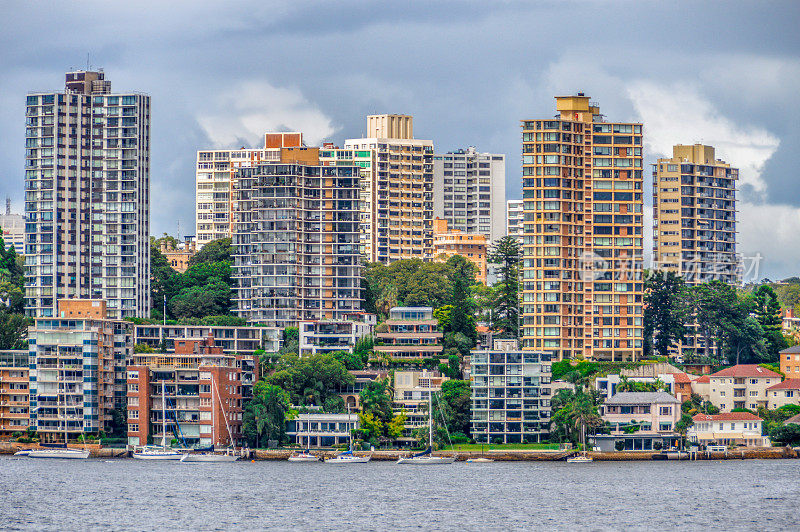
[788, 434]
[665, 310]
[461, 274]
[453, 405]
[215, 251]
[768, 314]
[371, 427]
[310, 380]
[506, 305]
[265, 415]
[375, 400]
[13, 330]
[351, 361]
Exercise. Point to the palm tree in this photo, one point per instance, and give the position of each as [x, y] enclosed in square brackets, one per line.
[583, 413]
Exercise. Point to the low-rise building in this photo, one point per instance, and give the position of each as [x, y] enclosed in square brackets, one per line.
[790, 362]
[510, 394]
[77, 370]
[409, 333]
[729, 428]
[327, 336]
[178, 255]
[199, 389]
[784, 393]
[741, 386]
[702, 387]
[14, 414]
[412, 390]
[13, 229]
[642, 421]
[472, 246]
[361, 378]
[323, 430]
[244, 340]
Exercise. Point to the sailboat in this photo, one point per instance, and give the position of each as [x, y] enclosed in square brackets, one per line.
[305, 455]
[230, 454]
[163, 452]
[581, 458]
[426, 457]
[348, 457]
[58, 450]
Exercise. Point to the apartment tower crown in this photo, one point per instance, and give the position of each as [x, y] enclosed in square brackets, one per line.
[390, 126]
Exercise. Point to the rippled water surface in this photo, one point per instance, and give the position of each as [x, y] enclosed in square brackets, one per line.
[139, 495]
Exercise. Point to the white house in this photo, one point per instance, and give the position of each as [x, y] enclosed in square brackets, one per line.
[731, 428]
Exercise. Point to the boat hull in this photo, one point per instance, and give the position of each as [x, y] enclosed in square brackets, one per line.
[343, 461]
[158, 456]
[579, 460]
[24, 452]
[427, 460]
[209, 458]
[59, 453]
[304, 458]
[479, 460]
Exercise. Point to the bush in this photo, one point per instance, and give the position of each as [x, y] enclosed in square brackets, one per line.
[619, 445]
[657, 445]
[458, 437]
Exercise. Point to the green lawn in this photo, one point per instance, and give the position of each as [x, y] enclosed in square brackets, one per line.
[503, 447]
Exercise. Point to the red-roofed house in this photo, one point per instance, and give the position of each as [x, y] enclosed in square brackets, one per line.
[784, 393]
[702, 387]
[682, 386]
[741, 386]
[731, 428]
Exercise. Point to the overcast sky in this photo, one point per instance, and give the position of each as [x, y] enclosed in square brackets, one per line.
[222, 73]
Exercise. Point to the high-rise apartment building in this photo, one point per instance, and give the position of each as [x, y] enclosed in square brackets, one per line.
[469, 191]
[77, 370]
[514, 217]
[87, 197]
[296, 240]
[582, 243]
[694, 223]
[214, 181]
[694, 215]
[396, 190]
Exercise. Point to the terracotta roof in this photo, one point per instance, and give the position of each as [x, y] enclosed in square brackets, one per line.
[788, 384]
[681, 378]
[728, 416]
[792, 350]
[703, 380]
[745, 370]
[793, 419]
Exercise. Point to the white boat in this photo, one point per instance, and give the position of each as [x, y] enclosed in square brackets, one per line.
[229, 455]
[581, 458]
[480, 460]
[347, 457]
[426, 457]
[163, 452]
[23, 452]
[303, 456]
[59, 453]
[209, 457]
[157, 454]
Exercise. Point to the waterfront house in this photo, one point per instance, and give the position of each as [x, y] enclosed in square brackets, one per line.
[639, 419]
[410, 333]
[741, 386]
[729, 428]
[328, 336]
[411, 391]
[323, 430]
[784, 393]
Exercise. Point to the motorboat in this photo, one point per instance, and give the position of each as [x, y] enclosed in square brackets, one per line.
[347, 457]
[209, 457]
[59, 453]
[303, 456]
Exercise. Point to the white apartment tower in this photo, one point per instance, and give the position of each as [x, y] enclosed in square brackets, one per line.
[396, 190]
[514, 218]
[469, 191]
[87, 197]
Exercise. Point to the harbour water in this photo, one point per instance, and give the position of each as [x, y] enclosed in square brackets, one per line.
[39, 494]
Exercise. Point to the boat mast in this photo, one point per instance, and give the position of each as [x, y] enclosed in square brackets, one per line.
[163, 415]
[227, 427]
[430, 418]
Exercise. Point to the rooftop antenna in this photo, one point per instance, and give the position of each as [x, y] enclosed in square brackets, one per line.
[179, 230]
[8, 205]
[87, 60]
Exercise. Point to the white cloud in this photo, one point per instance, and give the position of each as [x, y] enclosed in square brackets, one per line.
[678, 114]
[250, 109]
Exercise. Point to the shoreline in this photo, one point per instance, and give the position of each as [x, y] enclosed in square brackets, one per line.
[751, 453]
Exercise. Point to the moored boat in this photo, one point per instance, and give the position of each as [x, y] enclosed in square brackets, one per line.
[59, 453]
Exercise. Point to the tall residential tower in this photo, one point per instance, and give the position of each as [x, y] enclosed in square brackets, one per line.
[582, 243]
[87, 197]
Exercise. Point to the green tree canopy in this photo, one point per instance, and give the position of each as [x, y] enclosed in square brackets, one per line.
[665, 310]
[265, 415]
[506, 253]
[310, 380]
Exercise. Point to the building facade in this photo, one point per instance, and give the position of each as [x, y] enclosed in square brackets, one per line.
[412, 393]
[510, 394]
[13, 227]
[328, 336]
[694, 224]
[469, 191]
[396, 190]
[582, 244]
[197, 396]
[784, 393]
[472, 246]
[87, 197]
[741, 386]
[77, 371]
[732, 428]
[514, 218]
[321, 430]
[232, 339]
[296, 240]
[178, 256]
[411, 333]
[215, 179]
[789, 360]
[14, 400]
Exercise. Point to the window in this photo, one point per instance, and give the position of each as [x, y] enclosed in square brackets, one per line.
[665, 411]
[133, 427]
[133, 414]
[133, 387]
